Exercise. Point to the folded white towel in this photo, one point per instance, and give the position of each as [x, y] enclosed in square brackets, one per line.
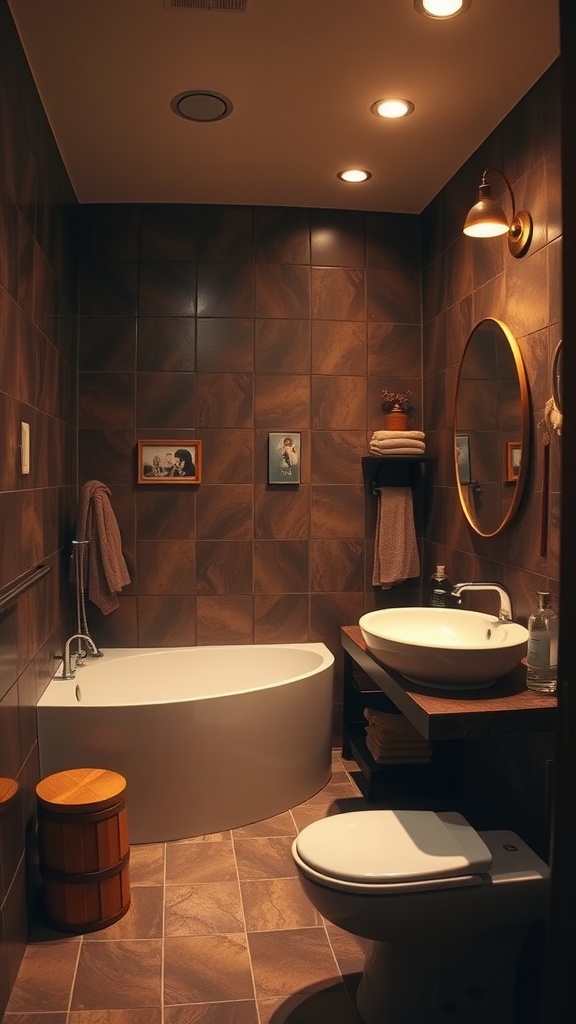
[385, 435]
[396, 758]
[401, 747]
[396, 451]
[396, 442]
[395, 549]
[392, 722]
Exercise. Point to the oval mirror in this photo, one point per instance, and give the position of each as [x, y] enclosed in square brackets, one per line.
[557, 370]
[491, 427]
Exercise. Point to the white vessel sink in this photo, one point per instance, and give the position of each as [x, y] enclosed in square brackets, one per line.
[444, 647]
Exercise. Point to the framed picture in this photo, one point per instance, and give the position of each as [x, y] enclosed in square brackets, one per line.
[284, 457]
[463, 458]
[169, 462]
[513, 458]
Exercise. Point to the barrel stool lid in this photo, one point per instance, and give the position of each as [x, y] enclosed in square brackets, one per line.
[81, 789]
[8, 790]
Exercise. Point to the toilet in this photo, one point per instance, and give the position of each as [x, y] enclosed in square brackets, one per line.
[444, 910]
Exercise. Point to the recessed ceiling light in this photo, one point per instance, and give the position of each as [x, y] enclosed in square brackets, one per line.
[392, 108]
[442, 8]
[354, 174]
[201, 105]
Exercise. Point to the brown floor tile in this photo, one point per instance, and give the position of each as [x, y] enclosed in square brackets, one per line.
[143, 919]
[305, 814]
[118, 974]
[208, 972]
[279, 825]
[285, 962]
[265, 858]
[274, 904]
[213, 1013]
[45, 977]
[46, 934]
[339, 777]
[212, 837]
[208, 908]
[34, 1018]
[327, 803]
[143, 1015]
[351, 982]
[328, 1006]
[341, 789]
[206, 969]
[147, 865]
[187, 863]
[348, 949]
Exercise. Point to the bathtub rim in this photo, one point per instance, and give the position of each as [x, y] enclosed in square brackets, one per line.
[67, 687]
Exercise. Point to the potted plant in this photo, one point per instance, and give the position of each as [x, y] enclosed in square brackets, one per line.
[395, 405]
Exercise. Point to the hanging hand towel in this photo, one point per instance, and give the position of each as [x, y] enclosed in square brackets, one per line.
[395, 549]
[105, 571]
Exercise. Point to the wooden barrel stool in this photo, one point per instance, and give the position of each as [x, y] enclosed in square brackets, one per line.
[84, 848]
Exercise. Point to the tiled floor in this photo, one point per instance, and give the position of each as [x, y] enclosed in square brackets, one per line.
[218, 932]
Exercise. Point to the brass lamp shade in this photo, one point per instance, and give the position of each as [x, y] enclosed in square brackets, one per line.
[487, 219]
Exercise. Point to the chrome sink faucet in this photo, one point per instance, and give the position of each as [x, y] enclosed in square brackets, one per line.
[70, 659]
[505, 612]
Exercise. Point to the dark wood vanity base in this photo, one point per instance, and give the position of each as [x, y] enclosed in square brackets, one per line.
[505, 707]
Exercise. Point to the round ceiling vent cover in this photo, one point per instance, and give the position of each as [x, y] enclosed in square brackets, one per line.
[201, 105]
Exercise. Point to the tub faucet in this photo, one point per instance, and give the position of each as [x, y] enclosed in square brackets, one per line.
[505, 612]
[69, 660]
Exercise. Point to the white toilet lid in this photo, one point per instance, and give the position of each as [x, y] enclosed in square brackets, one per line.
[387, 847]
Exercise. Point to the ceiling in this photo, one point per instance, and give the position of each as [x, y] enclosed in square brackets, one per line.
[301, 75]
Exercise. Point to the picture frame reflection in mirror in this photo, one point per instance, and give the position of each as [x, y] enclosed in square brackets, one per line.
[462, 451]
[513, 460]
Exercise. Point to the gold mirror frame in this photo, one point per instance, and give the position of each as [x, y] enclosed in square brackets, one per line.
[508, 456]
[557, 377]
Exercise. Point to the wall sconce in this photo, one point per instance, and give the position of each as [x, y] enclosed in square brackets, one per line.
[487, 218]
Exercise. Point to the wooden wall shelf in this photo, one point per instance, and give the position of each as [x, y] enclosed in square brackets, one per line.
[393, 470]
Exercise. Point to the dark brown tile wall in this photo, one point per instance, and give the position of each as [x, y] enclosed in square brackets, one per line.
[38, 327]
[464, 280]
[225, 323]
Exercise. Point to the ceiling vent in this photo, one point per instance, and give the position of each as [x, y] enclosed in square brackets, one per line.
[207, 5]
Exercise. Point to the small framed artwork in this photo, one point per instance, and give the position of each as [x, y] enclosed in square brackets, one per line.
[513, 459]
[463, 458]
[284, 457]
[169, 462]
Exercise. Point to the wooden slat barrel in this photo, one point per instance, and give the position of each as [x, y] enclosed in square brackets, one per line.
[84, 848]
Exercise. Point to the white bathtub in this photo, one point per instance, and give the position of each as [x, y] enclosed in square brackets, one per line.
[208, 738]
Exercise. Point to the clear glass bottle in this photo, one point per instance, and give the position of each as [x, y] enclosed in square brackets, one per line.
[542, 655]
[441, 589]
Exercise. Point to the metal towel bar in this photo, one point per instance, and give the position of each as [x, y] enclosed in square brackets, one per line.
[12, 591]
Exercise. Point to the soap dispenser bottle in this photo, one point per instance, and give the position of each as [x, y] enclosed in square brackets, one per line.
[542, 654]
[440, 589]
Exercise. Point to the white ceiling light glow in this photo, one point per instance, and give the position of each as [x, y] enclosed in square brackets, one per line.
[392, 108]
[354, 174]
[442, 8]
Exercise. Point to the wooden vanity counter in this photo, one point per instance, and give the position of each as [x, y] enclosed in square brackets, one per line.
[506, 706]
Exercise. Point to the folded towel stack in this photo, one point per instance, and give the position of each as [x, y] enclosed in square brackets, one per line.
[397, 442]
[391, 739]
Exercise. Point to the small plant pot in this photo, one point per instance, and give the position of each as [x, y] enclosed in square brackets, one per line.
[395, 420]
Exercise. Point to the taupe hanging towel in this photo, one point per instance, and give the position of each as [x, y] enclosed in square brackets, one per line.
[395, 549]
[104, 569]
